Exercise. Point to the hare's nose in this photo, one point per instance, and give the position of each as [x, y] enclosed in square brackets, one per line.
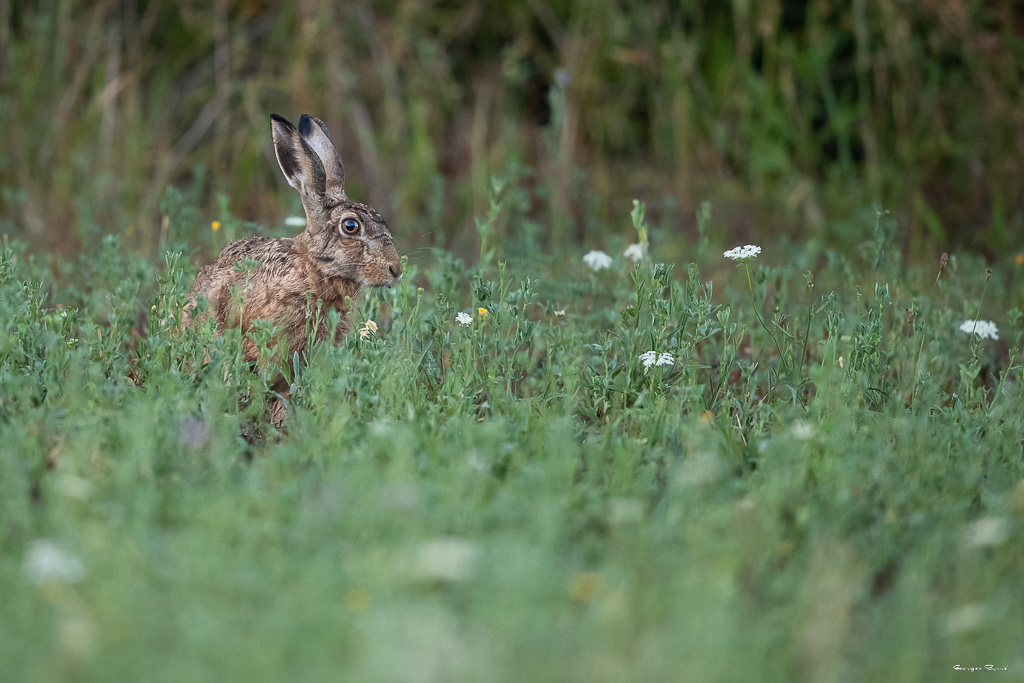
[396, 270]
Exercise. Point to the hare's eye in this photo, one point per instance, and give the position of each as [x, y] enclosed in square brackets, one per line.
[350, 226]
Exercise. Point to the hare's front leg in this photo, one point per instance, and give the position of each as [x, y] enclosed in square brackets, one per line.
[277, 404]
[277, 411]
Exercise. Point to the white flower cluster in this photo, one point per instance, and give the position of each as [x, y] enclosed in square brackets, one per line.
[654, 358]
[368, 328]
[597, 260]
[46, 562]
[463, 318]
[743, 253]
[445, 560]
[987, 531]
[802, 430]
[635, 252]
[985, 329]
[295, 221]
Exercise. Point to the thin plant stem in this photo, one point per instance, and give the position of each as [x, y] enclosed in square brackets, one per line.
[803, 348]
[753, 305]
[999, 383]
[917, 369]
[924, 326]
[975, 340]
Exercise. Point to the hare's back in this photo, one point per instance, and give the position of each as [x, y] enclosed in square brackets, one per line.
[269, 254]
[271, 258]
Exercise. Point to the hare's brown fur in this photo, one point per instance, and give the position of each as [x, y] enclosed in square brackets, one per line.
[296, 282]
[276, 291]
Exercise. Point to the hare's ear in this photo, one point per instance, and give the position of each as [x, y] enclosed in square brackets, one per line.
[299, 163]
[315, 133]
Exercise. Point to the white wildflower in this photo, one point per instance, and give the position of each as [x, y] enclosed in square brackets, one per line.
[597, 260]
[635, 252]
[295, 221]
[445, 559]
[987, 531]
[368, 328]
[560, 313]
[985, 329]
[650, 358]
[802, 430]
[45, 562]
[463, 318]
[966, 618]
[743, 253]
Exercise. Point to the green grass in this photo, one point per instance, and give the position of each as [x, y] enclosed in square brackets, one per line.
[827, 484]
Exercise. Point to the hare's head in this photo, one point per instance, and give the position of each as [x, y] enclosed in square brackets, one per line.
[346, 239]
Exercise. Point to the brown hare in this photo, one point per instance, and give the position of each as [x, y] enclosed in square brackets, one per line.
[345, 246]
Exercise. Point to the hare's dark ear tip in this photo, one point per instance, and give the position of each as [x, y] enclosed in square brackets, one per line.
[309, 123]
[280, 121]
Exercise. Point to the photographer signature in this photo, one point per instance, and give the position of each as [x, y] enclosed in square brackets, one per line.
[987, 667]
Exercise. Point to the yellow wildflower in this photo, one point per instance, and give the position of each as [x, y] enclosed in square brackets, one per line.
[357, 600]
[482, 312]
[215, 226]
[584, 586]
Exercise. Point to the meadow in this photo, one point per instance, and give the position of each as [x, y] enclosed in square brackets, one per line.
[793, 466]
[705, 364]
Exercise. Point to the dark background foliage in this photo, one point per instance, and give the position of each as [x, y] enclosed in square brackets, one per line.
[792, 117]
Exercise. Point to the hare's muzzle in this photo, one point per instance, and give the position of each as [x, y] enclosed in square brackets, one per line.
[388, 268]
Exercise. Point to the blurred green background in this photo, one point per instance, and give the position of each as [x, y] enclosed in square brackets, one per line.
[792, 117]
